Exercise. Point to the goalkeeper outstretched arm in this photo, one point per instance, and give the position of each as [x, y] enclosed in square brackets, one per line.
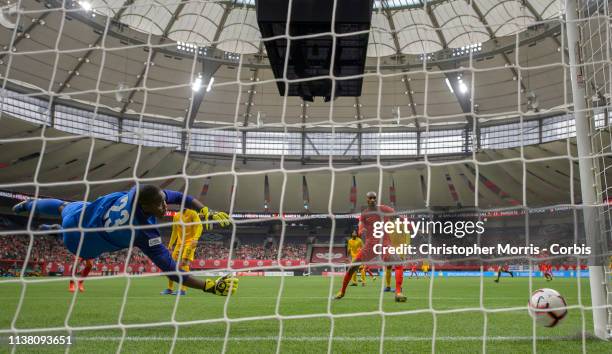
[154, 202]
[174, 197]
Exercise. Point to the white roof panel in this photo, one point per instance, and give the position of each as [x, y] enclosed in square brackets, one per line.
[548, 9]
[416, 33]
[197, 23]
[460, 24]
[150, 16]
[506, 17]
[241, 33]
[107, 7]
[381, 41]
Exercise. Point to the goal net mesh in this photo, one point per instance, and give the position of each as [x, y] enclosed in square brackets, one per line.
[425, 135]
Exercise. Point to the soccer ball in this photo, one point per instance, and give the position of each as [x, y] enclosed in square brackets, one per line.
[548, 307]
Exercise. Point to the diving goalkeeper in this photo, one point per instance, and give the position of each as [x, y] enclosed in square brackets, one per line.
[186, 231]
[122, 219]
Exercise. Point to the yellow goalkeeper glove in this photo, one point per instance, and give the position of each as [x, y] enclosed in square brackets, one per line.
[222, 218]
[219, 216]
[222, 286]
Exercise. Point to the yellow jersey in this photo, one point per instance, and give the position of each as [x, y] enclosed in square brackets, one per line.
[399, 239]
[354, 246]
[187, 229]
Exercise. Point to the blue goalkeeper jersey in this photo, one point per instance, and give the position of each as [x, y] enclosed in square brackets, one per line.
[120, 219]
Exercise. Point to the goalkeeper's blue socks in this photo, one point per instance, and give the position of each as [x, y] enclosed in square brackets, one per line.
[44, 207]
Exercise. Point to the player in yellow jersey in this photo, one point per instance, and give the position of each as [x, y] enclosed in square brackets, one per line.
[396, 240]
[186, 231]
[425, 268]
[354, 245]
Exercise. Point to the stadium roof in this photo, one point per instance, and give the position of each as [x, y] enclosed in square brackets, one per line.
[232, 25]
[88, 58]
[83, 59]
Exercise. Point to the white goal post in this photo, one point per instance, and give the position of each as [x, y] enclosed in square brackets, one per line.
[578, 30]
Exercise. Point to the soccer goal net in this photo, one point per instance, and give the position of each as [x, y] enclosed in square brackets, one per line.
[454, 112]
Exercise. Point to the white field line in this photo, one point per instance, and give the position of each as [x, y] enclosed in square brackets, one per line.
[324, 339]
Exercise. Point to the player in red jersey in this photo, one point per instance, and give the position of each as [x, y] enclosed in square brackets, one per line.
[373, 213]
[85, 269]
[366, 269]
[413, 271]
[548, 271]
[546, 267]
[505, 268]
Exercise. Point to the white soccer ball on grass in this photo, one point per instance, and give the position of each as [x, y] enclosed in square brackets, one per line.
[548, 307]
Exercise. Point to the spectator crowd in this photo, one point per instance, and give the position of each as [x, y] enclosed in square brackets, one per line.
[44, 248]
[51, 249]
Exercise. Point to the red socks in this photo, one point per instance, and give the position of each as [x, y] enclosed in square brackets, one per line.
[369, 272]
[346, 280]
[399, 278]
[87, 269]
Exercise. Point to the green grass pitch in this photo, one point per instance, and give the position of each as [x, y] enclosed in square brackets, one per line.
[458, 323]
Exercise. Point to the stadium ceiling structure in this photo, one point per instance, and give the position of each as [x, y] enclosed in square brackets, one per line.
[507, 53]
[65, 160]
[126, 72]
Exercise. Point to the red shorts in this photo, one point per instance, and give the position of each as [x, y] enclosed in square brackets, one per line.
[366, 255]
